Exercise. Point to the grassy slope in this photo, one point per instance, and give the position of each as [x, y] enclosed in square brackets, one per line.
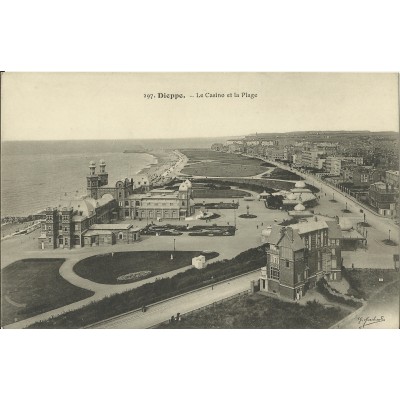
[258, 311]
[36, 286]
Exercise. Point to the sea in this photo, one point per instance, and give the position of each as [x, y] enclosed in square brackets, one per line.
[38, 174]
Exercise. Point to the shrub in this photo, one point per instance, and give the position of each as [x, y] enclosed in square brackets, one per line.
[322, 287]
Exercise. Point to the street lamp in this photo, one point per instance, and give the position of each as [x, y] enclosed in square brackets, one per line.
[389, 234]
[174, 245]
[346, 205]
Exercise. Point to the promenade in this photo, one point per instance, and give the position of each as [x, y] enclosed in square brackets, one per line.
[182, 304]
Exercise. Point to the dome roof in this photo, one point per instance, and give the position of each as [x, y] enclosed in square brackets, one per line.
[107, 197]
[188, 183]
[291, 196]
[102, 162]
[345, 224]
[92, 164]
[300, 184]
[183, 186]
[299, 207]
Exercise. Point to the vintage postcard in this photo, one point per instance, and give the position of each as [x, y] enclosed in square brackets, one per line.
[200, 200]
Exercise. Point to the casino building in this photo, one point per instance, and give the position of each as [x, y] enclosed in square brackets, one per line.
[153, 204]
[87, 221]
[160, 204]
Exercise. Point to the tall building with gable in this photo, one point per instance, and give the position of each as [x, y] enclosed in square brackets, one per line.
[297, 256]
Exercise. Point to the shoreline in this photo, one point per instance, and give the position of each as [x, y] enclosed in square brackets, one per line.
[164, 169]
[163, 161]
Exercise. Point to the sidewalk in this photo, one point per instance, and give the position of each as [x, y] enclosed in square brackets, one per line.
[163, 311]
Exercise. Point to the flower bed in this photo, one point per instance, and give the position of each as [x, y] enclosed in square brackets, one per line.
[134, 276]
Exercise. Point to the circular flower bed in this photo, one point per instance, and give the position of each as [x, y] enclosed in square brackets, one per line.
[247, 216]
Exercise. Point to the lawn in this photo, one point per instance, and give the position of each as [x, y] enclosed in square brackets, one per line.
[279, 173]
[106, 268]
[195, 155]
[34, 286]
[224, 169]
[260, 312]
[149, 293]
[365, 282]
[221, 164]
[218, 193]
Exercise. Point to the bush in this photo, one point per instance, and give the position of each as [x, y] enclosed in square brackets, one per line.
[322, 288]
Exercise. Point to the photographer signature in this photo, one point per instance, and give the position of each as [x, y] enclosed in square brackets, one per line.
[365, 321]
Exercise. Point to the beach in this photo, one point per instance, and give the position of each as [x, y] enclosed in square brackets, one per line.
[170, 162]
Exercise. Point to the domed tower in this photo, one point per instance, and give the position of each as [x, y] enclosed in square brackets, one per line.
[92, 181]
[190, 190]
[103, 175]
[184, 196]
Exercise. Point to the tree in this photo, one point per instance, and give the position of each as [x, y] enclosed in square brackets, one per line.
[274, 202]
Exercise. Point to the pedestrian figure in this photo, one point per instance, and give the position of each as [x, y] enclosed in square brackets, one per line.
[212, 287]
[262, 223]
[257, 226]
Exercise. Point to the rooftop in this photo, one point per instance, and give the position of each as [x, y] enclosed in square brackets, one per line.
[110, 226]
[309, 226]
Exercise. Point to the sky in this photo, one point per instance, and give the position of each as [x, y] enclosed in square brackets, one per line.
[62, 106]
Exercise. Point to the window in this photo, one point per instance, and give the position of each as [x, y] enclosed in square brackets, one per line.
[274, 272]
[298, 278]
[274, 259]
[126, 203]
[65, 229]
[49, 239]
[364, 178]
[49, 228]
[137, 203]
[287, 264]
[126, 213]
[119, 195]
[120, 204]
[120, 235]
[333, 252]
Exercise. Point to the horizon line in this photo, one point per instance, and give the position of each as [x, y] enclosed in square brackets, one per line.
[208, 137]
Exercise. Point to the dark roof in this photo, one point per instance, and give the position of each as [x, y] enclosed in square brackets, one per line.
[334, 231]
[296, 241]
[275, 235]
[278, 232]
